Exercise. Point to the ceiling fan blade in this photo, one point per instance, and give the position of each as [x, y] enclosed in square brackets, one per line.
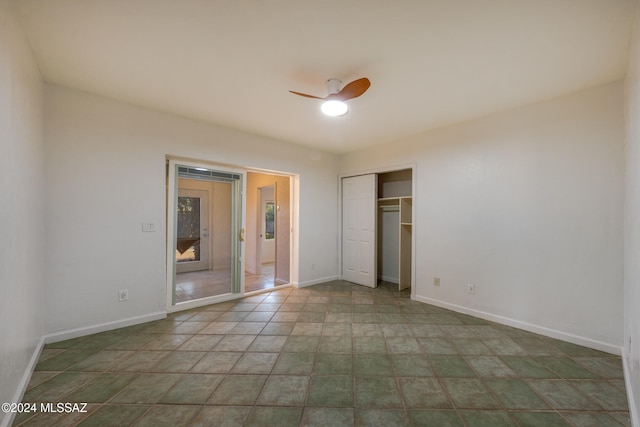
[305, 95]
[352, 90]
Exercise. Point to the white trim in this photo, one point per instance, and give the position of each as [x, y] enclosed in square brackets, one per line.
[24, 382]
[390, 279]
[315, 281]
[242, 228]
[633, 410]
[102, 327]
[294, 241]
[172, 194]
[542, 330]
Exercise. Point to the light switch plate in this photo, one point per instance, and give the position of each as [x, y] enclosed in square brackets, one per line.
[148, 227]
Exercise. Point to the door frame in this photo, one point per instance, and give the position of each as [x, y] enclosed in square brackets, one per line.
[294, 244]
[379, 170]
[172, 194]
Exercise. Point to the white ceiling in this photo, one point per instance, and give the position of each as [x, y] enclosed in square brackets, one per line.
[232, 62]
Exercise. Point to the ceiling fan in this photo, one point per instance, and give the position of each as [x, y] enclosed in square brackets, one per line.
[334, 104]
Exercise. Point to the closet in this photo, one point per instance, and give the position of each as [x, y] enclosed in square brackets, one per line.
[395, 227]
[377, 228]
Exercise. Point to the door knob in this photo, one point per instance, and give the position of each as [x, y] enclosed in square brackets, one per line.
[242, 234]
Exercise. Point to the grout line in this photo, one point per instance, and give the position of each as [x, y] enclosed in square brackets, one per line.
[387, 309]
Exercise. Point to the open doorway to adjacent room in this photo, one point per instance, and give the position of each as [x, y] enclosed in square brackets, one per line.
[268, 236]
[230, 232]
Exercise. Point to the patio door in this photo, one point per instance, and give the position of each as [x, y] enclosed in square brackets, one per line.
[205, 234]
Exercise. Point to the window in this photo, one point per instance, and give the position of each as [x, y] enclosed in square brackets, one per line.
[269, 223]
[188, 232]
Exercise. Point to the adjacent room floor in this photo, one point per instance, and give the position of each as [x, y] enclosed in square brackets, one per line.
[334, 354]
[201, 284]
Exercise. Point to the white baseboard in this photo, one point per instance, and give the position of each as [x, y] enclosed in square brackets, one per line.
[102, 327]
[314, 282]
[552, 333]
[24, 382]
[633, 409]
[281, 282]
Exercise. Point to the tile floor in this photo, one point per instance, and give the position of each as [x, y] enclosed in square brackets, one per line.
[201, 284]
[264, 280]
[334, 354]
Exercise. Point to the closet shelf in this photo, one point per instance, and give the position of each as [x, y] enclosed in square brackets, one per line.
[396, 198]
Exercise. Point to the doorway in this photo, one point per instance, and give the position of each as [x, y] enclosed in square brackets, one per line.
[217, 217]
[268, 243]
[204, 236]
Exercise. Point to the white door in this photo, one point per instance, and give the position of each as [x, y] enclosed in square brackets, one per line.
[267, 225]
[358, 229]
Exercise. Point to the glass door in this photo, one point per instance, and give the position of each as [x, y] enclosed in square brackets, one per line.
[192, 231]
[205, 234]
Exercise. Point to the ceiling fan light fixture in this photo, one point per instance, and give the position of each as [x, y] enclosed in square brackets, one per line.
[334, 108]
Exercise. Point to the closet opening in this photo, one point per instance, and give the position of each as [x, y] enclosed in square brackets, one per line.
[377, 228]
[395, 227]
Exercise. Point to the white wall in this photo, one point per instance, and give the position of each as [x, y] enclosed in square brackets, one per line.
[632, 227]
[527, 205]
[106, 175]
[389, 244]
[21, 208]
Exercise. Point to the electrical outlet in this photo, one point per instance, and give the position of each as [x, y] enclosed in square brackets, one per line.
[436, 281]
[471, 288]
[123, 295]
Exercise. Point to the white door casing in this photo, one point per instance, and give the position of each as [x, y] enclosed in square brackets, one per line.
[359, 195]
